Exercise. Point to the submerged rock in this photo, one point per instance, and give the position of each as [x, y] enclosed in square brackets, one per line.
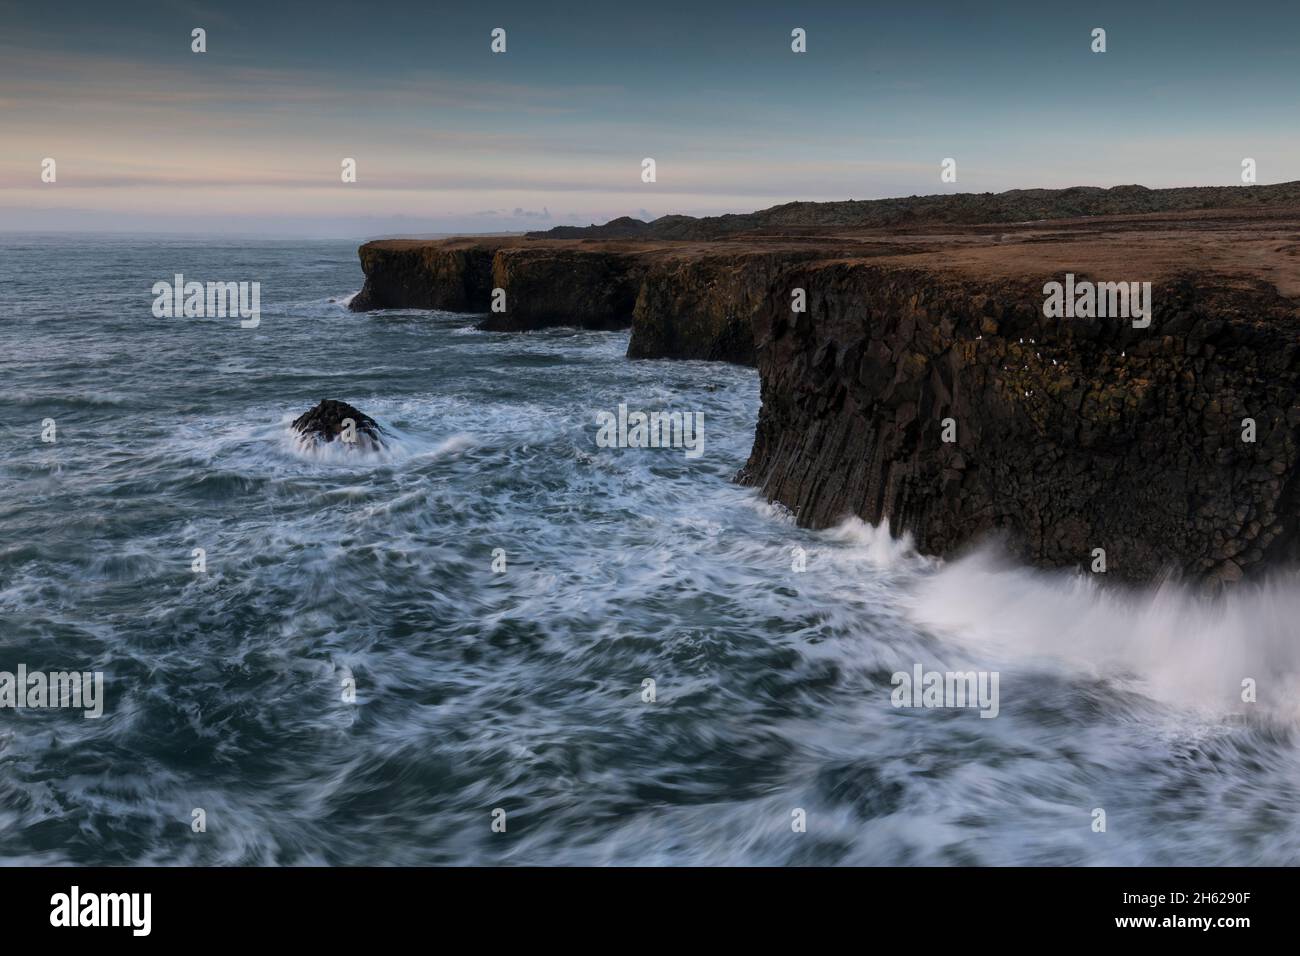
[338, 421]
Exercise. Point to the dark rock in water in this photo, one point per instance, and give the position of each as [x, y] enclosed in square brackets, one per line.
[328, 420]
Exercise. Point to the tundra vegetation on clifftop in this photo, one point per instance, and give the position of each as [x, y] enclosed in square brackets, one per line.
[922, 383]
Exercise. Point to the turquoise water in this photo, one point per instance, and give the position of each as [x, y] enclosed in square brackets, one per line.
[523, 690]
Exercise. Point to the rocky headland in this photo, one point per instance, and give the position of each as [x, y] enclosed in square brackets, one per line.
[909, 372]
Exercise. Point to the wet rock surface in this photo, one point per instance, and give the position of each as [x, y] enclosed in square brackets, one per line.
[328, 421]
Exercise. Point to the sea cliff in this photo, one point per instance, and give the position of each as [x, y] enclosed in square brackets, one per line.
[911, 375]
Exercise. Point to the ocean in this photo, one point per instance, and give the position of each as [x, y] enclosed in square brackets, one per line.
[497, 641]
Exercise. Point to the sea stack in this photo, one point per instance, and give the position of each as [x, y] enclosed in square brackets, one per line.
[331, 420]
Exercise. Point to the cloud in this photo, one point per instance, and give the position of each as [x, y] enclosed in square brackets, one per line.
[52, 80]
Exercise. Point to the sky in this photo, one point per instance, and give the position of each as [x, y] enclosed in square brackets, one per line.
[248, 138]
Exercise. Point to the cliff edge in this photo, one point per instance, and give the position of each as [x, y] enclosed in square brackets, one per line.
[918, 374]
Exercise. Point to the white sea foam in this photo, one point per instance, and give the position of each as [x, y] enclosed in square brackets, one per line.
[877, 545]
[1169, 641]
[522, 688]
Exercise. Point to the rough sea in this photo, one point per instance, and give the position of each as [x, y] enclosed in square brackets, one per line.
[386, 654]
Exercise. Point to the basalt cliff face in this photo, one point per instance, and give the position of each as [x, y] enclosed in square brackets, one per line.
[1063, 437]
[922, 384]
[456, 277]
[542, 284]
[681, 300]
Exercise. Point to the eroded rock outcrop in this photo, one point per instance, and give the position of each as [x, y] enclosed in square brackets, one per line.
[409, 274]
[331, 420]
[545, 286]
[703, 307]
[1069, 435]
[680, 303]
